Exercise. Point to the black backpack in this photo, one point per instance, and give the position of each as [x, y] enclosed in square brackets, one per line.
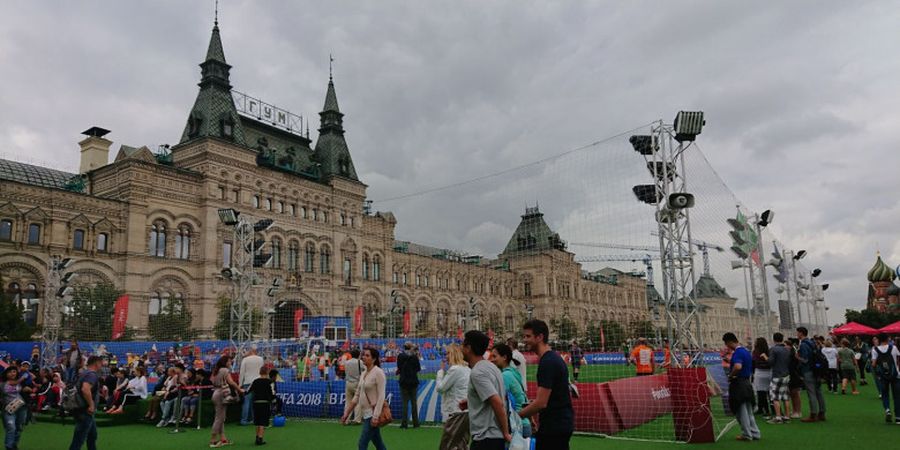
[72, 399]
[885, 367]
[818, 362]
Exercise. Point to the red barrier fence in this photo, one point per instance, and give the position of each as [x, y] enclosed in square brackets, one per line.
[615, 406]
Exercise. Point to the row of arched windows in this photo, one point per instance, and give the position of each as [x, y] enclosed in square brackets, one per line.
[158, 241]
[36, 237]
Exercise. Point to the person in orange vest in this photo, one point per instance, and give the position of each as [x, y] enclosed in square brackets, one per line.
[642, 358]
[667, 355]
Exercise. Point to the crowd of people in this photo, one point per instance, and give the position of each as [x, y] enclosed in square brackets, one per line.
[768, 380]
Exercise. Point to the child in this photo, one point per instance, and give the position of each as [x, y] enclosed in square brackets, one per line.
[263, 390]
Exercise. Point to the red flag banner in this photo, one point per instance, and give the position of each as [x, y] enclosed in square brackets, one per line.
[358, 319]
[298, 316]
[120, 317]
[406, 322]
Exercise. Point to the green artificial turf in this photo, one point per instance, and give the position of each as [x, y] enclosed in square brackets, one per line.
[853, 422]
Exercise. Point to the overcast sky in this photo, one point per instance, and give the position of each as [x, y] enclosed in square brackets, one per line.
[800, 98]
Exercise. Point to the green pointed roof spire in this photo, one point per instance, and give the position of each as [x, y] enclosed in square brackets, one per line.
[214, 113]
[533, 235]
[331, 147]
[331, 103]
[215, 52]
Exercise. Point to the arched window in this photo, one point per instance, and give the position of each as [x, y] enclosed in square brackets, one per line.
[158, 239]
[292, 210]
[102, 242]
[308, 257]
[351, 221]
[348, 271]
[304, 213]
[280, 208]
[6, 230]
[293, 255]
[78, 240]
[325, 216]
[365, 267]
[343, 219]
[276, 253]
[254, 201]
[155, 307]
[376, 268]
[183, 242]
[268, 204]
[325, 260]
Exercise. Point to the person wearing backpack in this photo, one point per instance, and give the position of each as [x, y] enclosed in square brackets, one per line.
[88, 384]
[885, 363]
[811, 360]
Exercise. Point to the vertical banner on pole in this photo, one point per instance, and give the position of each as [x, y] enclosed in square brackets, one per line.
[357, 325]
[298, 316]
[406, 323]
[120, 317]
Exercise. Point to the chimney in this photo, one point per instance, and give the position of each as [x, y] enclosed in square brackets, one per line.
[94, 149]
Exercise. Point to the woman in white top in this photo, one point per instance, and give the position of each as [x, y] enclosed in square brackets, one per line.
[135, 388]
[453, 387]
[370, 395]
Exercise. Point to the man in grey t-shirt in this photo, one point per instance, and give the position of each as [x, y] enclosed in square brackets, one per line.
[780, 359]
[486, 402]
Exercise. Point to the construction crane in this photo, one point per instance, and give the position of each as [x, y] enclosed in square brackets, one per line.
[704, 247]
[637, 248]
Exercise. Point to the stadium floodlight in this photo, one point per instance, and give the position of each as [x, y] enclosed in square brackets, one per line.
[646, 193]
[681, 200]
[688, 124]
[799, 255]
[644, 144]
[825, 287]
[766, 218]
[735, 265]
[63, 264]
[277, 282]
[229, 216]
[230, 273]
[68, 277]
[816, 272]
[263, 225]
[64, 291]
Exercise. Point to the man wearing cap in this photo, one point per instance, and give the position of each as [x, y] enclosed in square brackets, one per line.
[250, 365]
[408, 368]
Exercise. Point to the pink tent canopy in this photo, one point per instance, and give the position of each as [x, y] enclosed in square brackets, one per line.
[854, 328]
[893, 328]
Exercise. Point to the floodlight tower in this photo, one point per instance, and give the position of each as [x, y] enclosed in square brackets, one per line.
[247, 257]
[55, 293]
[663, 150]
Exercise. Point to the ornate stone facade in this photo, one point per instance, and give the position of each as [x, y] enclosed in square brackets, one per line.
[147, 223]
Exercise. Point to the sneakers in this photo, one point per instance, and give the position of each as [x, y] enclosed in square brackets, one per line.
[887, 415]
[796, 416]
[162, 423]
[215, 444]
[775, 421]
[260, 441]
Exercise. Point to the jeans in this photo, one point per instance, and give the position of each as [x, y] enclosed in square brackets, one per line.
[889, 388]
[370, 433]
[85, 430]
[71, 372]
[247, 409]
[814, 392]
[409, 394]
[13, 424]
[745, 419]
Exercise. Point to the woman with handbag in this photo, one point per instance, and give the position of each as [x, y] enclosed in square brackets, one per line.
[370, 395]
[453, 387]
[223, 385]
[15, 413]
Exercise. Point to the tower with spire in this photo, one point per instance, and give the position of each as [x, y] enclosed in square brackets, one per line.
[331, 150]
[214, 113]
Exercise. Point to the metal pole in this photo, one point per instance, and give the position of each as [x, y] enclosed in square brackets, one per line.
[797, 290]
[755, 309]
[749, 307]
[51, 315]
[765, 283]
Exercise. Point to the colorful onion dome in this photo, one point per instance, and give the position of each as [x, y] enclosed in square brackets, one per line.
[881, 272]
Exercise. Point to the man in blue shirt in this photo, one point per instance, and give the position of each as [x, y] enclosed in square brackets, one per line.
[740, 390]
[807, 356]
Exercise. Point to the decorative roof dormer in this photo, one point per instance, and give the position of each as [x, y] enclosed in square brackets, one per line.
[214, 113]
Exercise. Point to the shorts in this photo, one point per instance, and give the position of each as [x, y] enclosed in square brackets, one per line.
[261, 414]
[779, 389]
[848, 374]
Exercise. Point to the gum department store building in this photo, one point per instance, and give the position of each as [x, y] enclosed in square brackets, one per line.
[147, 223]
